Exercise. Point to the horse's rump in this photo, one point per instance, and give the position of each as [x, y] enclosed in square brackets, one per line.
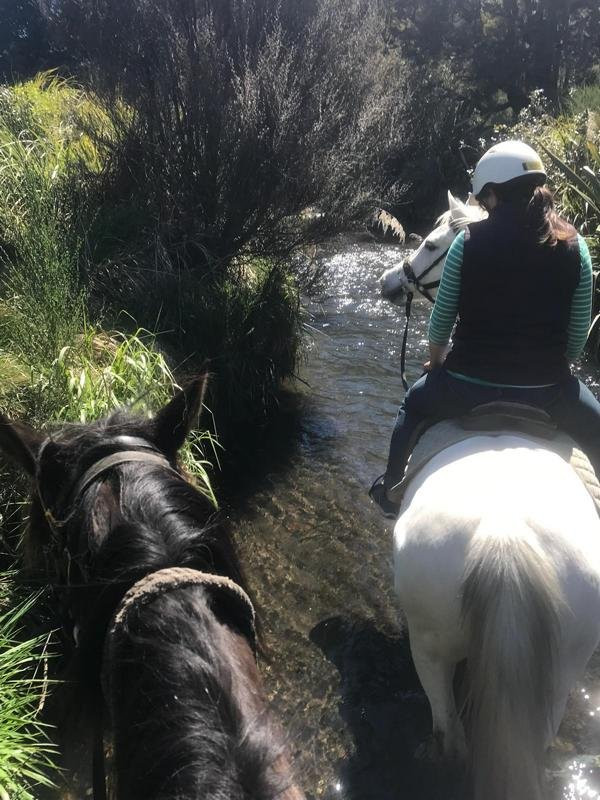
[497, 559]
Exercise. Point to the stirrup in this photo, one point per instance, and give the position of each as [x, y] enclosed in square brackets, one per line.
[378, 495]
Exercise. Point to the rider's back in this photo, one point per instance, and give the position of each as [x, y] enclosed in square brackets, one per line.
[515, 303]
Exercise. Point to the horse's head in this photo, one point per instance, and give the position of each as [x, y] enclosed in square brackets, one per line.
[421, 270]
[88, 481]
[153, 595]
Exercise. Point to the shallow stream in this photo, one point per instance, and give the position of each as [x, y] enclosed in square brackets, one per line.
[318, 557]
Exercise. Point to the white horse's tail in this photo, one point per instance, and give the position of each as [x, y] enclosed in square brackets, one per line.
[510, 603]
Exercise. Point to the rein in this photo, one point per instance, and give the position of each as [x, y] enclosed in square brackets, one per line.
[424, 289]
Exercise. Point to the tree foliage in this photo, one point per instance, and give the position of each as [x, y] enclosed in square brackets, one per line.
[507, 47]
[244, 113]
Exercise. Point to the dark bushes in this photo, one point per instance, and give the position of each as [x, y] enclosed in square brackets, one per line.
[243, 113]
[228, 120]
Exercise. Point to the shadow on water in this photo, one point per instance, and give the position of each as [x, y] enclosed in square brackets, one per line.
[386, 712]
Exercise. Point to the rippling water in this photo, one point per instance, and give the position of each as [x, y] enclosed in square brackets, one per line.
[318, 557]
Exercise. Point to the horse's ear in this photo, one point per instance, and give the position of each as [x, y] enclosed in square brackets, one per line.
[20, 443]
[457, 209]
[173, 422]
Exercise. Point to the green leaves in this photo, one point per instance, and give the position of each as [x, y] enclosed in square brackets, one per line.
[587, 187]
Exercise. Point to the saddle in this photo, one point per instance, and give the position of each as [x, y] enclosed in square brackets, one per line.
[496, 419]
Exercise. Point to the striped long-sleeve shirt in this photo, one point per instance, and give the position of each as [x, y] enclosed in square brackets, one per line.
[445, 309]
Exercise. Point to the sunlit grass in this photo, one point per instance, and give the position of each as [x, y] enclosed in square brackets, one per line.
[26, 752]
[103, 371]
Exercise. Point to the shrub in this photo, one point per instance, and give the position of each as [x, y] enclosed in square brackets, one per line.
[244, 113]
[572, 160]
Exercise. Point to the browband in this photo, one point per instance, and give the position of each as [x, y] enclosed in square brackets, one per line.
[145, 453]
[120, 457]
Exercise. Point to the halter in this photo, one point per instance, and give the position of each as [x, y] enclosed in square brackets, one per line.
[424, 289]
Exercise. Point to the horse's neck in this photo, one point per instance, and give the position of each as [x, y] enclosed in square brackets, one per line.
[189, 683]
[247, 687]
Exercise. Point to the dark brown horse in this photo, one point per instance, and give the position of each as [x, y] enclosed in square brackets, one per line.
[153, 594]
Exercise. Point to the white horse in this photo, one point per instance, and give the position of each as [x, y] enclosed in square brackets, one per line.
[423, 268]
[497, 560]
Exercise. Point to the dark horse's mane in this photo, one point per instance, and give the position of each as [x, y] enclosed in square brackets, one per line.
[179, 673]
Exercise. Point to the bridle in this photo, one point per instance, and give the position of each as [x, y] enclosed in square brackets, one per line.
[143, 452]
[425, 290]
[147, 588]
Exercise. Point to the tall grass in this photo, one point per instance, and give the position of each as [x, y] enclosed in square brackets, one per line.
[26, 752]
[102, 371]
[41, 236]
[56, 364]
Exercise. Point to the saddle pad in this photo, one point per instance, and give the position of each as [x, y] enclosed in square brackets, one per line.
[448, 432]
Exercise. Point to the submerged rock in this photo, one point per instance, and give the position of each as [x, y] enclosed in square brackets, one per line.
[413, 240]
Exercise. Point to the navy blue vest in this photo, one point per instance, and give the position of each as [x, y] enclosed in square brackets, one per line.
[515, 303]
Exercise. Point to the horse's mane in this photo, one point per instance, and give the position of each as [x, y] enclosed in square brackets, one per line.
[174, 663]
[174, 657]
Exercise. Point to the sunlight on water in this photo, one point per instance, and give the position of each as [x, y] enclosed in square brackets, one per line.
[578, 787]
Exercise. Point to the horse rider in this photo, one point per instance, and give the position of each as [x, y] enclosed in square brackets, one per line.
[520, 283]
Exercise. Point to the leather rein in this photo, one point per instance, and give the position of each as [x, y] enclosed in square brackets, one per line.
[425, 290]
[146, 589]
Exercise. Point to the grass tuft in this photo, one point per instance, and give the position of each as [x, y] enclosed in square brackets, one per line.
[26, 752]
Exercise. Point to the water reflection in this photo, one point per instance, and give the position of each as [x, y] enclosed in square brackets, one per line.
[319, 560]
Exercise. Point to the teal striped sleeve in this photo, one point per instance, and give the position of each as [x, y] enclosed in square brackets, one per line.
[581, 305]
[445, 309]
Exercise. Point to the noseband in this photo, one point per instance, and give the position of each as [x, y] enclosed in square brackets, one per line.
[423, 288]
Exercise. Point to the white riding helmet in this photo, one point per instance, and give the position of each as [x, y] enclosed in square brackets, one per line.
[505, 161]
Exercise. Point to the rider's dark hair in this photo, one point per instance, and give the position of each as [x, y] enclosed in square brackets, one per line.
[536, 202]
